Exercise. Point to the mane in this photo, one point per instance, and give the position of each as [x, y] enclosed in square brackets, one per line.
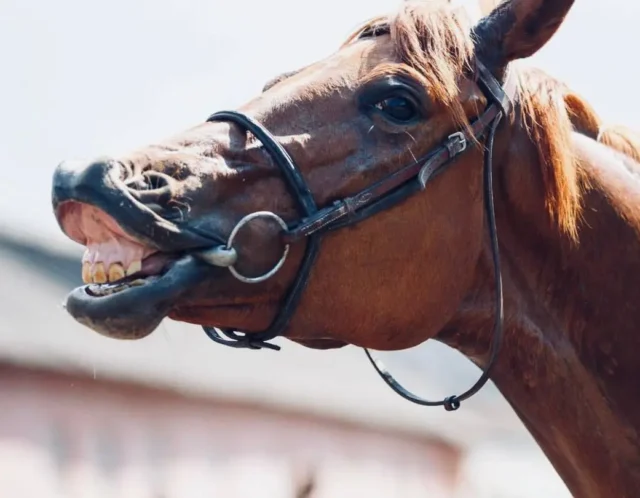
[621, 139]
[433, 41]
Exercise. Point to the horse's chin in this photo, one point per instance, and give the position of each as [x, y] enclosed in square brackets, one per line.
[133, 309]
[319, 343]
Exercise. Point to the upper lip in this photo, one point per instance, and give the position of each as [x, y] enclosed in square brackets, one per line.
[101, 184]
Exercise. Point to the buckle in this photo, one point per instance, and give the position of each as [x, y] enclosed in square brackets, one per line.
[456, 144]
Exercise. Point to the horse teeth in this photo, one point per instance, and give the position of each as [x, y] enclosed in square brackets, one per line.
[87, 277]
[134, 267]
[116, 272]
[99, 274]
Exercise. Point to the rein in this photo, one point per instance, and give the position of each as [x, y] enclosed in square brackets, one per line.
[378, 197]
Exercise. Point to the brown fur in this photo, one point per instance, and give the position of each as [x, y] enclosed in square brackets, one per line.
[622, 139]
[567, 211]
[433, 42]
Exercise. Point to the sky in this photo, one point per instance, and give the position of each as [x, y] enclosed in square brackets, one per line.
[84, 78]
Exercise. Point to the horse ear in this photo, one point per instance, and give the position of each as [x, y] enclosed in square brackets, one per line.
[516, 29]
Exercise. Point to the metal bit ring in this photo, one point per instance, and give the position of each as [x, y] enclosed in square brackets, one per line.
[234, 233]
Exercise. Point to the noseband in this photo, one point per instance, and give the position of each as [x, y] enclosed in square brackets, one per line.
[380, 196]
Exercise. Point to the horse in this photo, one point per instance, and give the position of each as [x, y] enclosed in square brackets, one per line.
[418, 183]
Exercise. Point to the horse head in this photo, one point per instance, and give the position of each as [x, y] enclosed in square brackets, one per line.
[345, 204]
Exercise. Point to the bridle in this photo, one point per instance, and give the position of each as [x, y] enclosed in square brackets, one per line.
[382, 195]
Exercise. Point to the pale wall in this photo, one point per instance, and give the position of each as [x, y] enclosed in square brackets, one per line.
[66, 436]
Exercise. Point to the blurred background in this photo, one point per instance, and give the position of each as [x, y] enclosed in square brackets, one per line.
[174, 415]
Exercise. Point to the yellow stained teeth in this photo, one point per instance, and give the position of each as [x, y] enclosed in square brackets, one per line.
[99, 274]
[116, 272]
[86, 273]
[134, 267]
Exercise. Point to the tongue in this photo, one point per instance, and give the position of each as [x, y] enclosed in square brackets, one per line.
[156, 263]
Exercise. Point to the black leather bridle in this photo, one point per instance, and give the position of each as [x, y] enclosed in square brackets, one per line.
[382, 195]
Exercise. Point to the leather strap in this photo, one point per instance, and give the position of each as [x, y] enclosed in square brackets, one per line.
[379, 196]
[423, 169]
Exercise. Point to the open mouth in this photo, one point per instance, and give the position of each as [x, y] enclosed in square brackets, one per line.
[129, 287]
[113, 262]
[122, 284]
[137, 263]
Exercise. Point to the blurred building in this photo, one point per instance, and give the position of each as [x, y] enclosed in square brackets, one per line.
[67, 434]
[175, 415]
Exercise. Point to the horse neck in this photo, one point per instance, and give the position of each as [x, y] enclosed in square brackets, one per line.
[568, 364]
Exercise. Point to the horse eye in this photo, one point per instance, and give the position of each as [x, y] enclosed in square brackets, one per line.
[398, 109]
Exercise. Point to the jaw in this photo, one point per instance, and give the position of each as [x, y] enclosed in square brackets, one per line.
[138, 264]
[320, 344]
[140, 267]
[132, 310]
[131, 287]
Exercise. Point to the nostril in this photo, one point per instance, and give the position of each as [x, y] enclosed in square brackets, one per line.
[157, 180]
[152, 188]
[149, 180]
